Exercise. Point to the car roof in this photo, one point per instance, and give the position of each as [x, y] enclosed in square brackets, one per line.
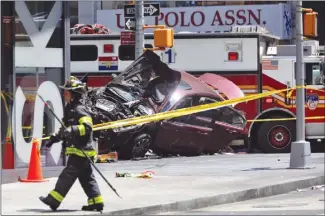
[197, 86]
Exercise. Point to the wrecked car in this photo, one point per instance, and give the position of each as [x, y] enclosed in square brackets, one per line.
[149, 86]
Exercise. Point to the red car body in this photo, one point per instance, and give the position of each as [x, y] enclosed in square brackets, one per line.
[149, 86]
[203, 132]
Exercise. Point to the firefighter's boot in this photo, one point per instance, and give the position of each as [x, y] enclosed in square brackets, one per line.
[95, 207]
[52, 203]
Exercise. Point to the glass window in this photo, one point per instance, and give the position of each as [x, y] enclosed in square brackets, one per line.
[314, 74]
[84, 53]
[6, 99]
[175, 96]
[184, 85]
[31, 69]
[183, 103]
[162, 3]
[73, 13]
[224, 114]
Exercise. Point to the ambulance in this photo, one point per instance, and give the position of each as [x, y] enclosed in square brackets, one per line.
[248, 56]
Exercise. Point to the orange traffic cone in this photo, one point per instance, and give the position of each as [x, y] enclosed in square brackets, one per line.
[35, 169]
[8, 156]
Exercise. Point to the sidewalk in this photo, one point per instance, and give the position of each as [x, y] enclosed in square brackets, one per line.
[180, 184]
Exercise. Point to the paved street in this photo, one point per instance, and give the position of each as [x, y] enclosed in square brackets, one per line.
[305, 202]
[179, 183]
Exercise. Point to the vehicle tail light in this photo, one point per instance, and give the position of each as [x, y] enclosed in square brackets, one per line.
[108, 48]
[233, 56]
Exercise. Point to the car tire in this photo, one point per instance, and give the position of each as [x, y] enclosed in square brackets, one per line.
[137, 147]
[276, 137]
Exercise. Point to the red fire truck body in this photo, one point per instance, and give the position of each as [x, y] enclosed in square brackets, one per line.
[253, 61]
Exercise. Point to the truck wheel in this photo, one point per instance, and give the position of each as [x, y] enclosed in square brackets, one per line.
[276, 137]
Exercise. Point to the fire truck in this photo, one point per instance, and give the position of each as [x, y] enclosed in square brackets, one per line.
[252, 59]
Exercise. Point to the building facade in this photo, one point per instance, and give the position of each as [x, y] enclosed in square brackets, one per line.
[35, 45]
[86, 12]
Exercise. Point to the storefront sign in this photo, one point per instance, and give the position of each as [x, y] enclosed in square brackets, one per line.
[50, 92]
[276, 18]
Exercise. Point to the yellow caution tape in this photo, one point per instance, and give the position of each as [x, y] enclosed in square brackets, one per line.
[28, 96]
[45, 138]
[286, 119]
[182, 112]
[29, 127]
[192, 110]
[8, 115]
[305, 87]
[177, 113]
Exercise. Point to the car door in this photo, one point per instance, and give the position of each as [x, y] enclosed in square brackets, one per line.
[227, 124]
[180, 135]
[314, 99]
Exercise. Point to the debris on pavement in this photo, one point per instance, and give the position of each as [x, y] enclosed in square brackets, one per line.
[146, 174]
[107, 158]
[320, 187]
[149, 155]
[226, 151]
[301, 190]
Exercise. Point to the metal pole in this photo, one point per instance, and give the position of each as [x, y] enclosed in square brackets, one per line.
[1, 146]
[66, 53]
[139, 34]
[66, 24]
[300, 149]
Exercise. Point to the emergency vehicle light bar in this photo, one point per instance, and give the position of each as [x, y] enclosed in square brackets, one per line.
[108, 48]
[232, 56]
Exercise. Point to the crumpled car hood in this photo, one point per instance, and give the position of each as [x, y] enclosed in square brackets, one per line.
[223, 85]
[148, 66]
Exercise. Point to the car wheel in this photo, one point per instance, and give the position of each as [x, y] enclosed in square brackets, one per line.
[137, 147]
[276, 137]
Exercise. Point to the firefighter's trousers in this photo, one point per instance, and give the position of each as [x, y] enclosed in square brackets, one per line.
[77, 168]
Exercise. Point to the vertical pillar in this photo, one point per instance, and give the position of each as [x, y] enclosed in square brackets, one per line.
[7, 84]
[139, 34]
[66, 53]
[1, 104]
[300, 149]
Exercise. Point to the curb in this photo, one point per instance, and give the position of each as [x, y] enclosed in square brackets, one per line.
[203, 202]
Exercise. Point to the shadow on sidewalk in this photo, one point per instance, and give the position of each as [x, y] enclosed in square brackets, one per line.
[264, 168]
[47, 211]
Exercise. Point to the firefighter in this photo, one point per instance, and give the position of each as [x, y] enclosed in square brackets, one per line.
[77, 134]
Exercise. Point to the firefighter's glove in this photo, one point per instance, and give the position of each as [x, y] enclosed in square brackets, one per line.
[51, 141]
[60, 134]
[70, 132]
[48, 144]
[67, 133]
